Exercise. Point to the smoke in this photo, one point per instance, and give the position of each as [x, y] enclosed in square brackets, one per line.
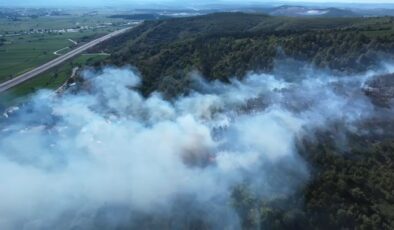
[107, 157]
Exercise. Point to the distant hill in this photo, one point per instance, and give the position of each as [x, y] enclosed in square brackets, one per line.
[284, 10]
[139, 16]
[378, 12]
[301, 11]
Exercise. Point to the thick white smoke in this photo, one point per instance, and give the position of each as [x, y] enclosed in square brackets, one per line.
[65, 158]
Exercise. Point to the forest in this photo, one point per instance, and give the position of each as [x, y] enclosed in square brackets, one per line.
[226, 45]
[351, 187]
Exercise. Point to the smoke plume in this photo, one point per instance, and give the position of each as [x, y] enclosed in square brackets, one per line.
[108, 157]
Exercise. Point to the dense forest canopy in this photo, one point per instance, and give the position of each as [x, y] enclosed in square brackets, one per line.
[225, 45]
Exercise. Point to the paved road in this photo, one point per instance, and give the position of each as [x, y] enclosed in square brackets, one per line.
[32, 73]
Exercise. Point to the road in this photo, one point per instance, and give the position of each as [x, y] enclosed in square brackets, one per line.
[62, 87]
[57, 61]
[72, 41]
[57, 51]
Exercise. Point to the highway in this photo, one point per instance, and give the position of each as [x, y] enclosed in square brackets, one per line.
[33, 73]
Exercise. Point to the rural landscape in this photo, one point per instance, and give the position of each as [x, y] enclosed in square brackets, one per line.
[196, 115]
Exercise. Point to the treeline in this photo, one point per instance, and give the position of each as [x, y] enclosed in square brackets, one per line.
[139, 16]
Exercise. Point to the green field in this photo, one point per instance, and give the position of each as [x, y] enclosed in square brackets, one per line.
[20, 52]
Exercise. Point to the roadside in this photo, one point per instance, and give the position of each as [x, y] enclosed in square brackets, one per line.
[57, 61]
[52, 79]
[58, 52]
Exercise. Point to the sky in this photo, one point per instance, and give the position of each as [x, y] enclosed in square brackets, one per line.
[148, 3]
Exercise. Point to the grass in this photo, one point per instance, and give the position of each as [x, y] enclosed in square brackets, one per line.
[51, 79]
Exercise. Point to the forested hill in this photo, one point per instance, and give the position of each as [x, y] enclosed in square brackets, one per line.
[351, 188]
[224, 45]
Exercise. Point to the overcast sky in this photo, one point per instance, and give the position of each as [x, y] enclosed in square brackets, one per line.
[165, 2]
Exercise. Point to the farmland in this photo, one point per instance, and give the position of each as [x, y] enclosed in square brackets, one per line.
[29, 42]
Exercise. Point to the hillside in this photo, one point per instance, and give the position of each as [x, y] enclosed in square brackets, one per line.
[351, 186]
[300, 11]
[224, 45]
